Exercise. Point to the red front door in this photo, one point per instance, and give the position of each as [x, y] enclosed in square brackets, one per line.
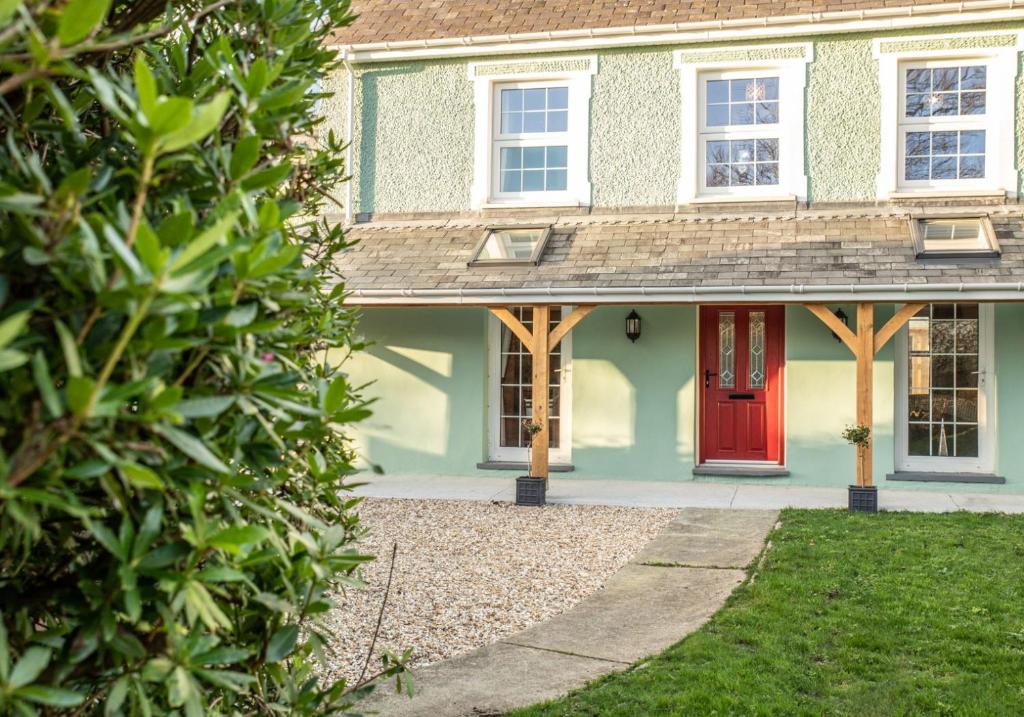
[740, 379]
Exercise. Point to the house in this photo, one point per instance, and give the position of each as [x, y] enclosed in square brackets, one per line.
[713, 235]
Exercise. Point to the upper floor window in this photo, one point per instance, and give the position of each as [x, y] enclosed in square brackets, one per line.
[532, 133]
[740, 134]
[943, 124]
[947, 115]
[743, 126]
[531, 140]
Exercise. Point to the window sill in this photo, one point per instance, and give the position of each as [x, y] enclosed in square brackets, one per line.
[924, 477]
[527, 204]
[522, 466]
[741, 199]
[947, 194]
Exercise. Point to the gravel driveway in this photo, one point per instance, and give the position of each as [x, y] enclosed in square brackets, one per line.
[470, 573]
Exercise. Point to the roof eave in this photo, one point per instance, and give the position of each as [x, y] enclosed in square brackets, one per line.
[869, 20]
[790, 294]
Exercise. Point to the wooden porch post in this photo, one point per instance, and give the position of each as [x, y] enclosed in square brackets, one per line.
[540, 343]
[540, 391]
[865, 386]
[864, 345]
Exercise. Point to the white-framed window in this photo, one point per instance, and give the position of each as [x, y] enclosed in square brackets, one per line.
[952, 237]
[510, 395]
[742, 127]
[945, 417]
[947, 121]
[532, 136]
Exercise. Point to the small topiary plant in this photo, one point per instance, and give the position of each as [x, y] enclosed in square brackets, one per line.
[532, 429]
[173, 450]
[859, 436]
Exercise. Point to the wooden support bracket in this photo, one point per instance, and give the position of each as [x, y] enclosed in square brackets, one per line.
[506, 317]
[901, 317]
[838, 327]
[567, 324]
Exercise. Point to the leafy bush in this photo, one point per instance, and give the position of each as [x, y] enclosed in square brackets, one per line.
[172, 505]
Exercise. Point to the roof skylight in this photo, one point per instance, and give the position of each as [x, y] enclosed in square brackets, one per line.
[954, 237]
[511, 245]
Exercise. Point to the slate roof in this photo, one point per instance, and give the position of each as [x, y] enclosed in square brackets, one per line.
[398, 20]
[669, 251]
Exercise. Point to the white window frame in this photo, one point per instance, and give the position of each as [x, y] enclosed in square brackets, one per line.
[484, 192]
[985, 461]
[790, 129]
[497, 452]
[998, 120]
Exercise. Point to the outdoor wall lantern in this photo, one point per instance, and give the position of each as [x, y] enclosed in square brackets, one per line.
[633, 326]
[841, 315]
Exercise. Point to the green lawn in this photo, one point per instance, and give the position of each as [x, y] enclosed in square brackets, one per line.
[889, 614]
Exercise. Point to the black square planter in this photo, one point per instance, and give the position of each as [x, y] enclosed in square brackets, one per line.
[531, 491]
[863, 499]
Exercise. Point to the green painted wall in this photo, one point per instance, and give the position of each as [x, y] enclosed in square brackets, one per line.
[634, 404]
[414, 125]
[427, 370]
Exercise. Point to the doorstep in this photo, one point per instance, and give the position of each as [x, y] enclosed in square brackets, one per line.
[740, 471]
[925, 477]
[523, 466]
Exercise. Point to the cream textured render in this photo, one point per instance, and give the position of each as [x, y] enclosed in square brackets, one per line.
[414, 150]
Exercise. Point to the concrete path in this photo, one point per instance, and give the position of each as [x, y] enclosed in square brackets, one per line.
[669, 590]
[682, 494]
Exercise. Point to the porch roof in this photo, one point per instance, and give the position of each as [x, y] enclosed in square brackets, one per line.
[800, 257]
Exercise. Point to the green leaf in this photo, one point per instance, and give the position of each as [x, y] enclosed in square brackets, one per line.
[44, 382]
[78, 18]
[11, 359]
[212, 236]
[236, 537]
[12, 326]
[145, 86]
[204, 121]
[106, 538]
[70, 348]
[50, 696]
[29, 666]
[79, 391]
[89, 468]
[147, 245]
[140, 476]
[336, 395]
[244, 156]
[169, 115]
[204, 407]
[241, 316]
[124, 253]
[116, 697]
[7, 10]
[267, 177]
[192, 447]
[282, 643]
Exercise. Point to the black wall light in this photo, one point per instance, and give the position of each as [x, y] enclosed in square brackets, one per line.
[633, 326]
[841, 315]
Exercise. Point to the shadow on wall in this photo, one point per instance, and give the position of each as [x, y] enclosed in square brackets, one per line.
[369, 114]
[633, 403]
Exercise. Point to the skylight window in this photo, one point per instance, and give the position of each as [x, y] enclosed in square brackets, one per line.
[961, 236]
[511, 245]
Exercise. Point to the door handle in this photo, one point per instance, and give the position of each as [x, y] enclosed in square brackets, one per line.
[708, 373]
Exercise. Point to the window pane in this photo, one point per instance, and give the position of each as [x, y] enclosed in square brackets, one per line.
[744, 162]
[972, 142]
[757, 349]
[718, 91]
[533, 121]
[558, 98]
[770, 88]
[945, 78]
[535, 99]
[557, 180]
[727, 349]
[742, 113]
[767, 112]
[972, 168]
[717, 115]
[533, 157]
[557, 156]
[558, 121]
[533, 181]
[919, 80]
[511, 100]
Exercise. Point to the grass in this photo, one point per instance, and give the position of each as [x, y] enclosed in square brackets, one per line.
[888, 614]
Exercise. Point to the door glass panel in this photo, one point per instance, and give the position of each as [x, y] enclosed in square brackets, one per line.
[727, 349]
[516, 381]
[943, 380]
[757, 372]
